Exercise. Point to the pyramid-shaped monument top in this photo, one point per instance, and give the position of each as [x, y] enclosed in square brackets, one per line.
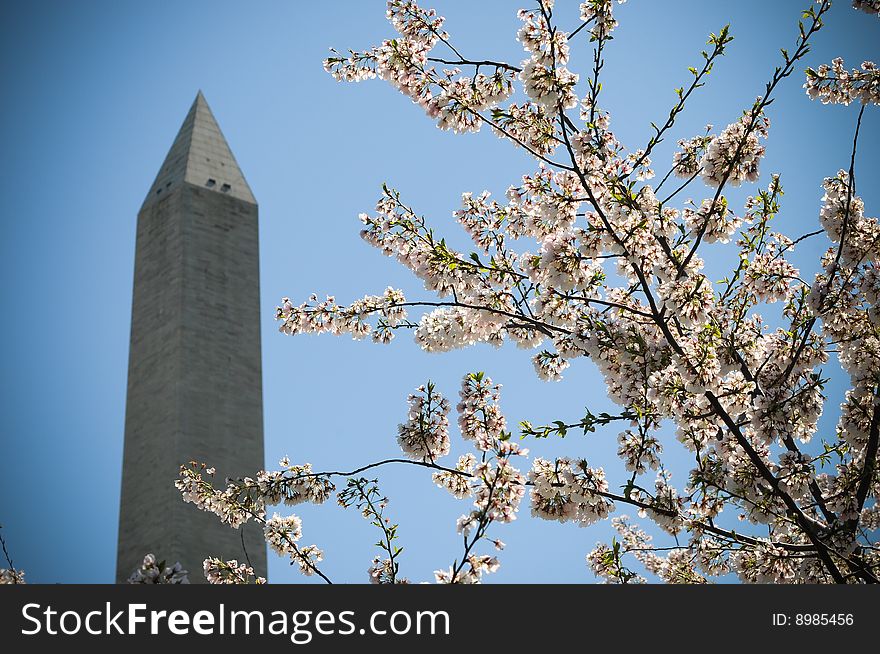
[200, 156]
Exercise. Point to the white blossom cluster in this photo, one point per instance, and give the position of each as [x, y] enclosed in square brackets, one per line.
[549, 365]
[834, 84]
[526, 123]
[665, 505]
[497, 490]
[415, 23]
[479, 414]
[733, 156]
[292, 485]
[713, 219]
[381, 571]
[765, 564]
[153, 572]
[11, 576]
[358, 66]
[639, 452]
[459, 484]
[315, 317]
[688, 160]
[840, 207]
[481, 219]
[679, 566]
[566, 492]
[560, 264]
[500, 489]
[600, 12]
[247, 498]
[690, 298]
[425, 434]
[453, 328]
[457, 107]
[218, 571]
[546, 45]
[496, 486]
[453, 100]
[282, 533]
[605, 565]
[551, 88]
[471, 571]
[545, 78]
[228, 505]
[771, 276]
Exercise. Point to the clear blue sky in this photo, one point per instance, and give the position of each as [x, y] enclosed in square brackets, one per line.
[93, 94]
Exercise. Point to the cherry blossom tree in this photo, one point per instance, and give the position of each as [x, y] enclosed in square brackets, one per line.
[590, 257]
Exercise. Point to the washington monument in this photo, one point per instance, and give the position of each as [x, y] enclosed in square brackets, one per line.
[194, 370]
